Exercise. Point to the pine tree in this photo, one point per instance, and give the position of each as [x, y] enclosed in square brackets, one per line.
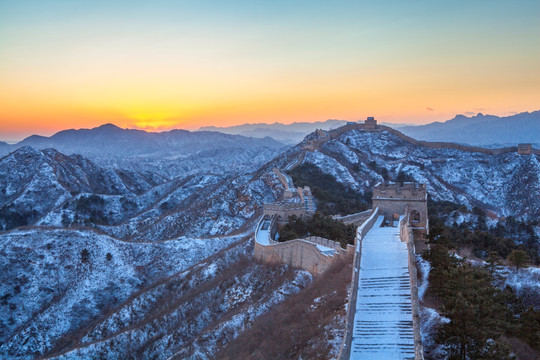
[518, 258]
[492, 262]
[85, 255]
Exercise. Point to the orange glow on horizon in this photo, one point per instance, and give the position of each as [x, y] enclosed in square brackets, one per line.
[188, 64]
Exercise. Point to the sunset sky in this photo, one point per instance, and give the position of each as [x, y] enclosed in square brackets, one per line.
[184, 64]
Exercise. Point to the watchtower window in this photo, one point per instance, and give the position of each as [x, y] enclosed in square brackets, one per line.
[415, 216]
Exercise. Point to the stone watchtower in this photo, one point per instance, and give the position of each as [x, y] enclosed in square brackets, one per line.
[524, 149]
[370, 123]
[394, 200]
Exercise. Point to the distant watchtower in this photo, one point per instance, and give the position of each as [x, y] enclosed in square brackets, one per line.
[370, 123]
[524, 149]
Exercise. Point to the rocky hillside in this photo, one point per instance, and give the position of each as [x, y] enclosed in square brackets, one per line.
[120, 255]
[33, 183]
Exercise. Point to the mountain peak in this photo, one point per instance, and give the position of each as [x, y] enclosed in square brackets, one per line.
[459, 117]
[26, 151]
[108, 126]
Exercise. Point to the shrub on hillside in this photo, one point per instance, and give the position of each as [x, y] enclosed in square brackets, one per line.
[318, 225]
[332, 197]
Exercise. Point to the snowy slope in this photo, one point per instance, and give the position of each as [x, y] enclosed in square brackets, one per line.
[54, 297]
[48, 188]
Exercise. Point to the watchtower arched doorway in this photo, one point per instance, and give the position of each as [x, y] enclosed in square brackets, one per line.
[414, 217]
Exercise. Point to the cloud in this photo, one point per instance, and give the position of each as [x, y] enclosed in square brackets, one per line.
[430, 109]
[479, 109]
[513, 112]
[470, 113]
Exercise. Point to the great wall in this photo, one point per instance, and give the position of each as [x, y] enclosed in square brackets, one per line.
[382, 313]
[383, 308]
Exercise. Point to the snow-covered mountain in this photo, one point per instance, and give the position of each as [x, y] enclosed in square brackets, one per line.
[507, 184]
[482, 130]
[48, 188]
[34, 183]
[106, 258]
[123, 263]
[130, 300]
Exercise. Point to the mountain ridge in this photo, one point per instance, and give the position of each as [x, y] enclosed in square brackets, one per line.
[360, 158]
[170, 153]
[481, 130]
[109, 139]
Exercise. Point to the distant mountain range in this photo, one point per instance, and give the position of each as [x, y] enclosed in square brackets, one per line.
[4, 147]
[109, 139]
[170, 153]
[286, 133]
[481, 130]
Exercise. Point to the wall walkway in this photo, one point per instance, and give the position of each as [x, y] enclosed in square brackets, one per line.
[383, 326]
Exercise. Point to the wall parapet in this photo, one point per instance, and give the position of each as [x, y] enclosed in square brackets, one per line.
[361, 231]
[314, 254]
[357, 218]
[324, 242]
[299, 253]
[282, 178]
[406, 234]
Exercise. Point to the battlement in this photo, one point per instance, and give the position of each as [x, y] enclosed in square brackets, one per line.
[407, 191]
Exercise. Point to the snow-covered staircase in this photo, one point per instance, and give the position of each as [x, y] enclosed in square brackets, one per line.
[383, 326]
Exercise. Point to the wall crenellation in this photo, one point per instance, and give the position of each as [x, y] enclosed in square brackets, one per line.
[407, 190]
